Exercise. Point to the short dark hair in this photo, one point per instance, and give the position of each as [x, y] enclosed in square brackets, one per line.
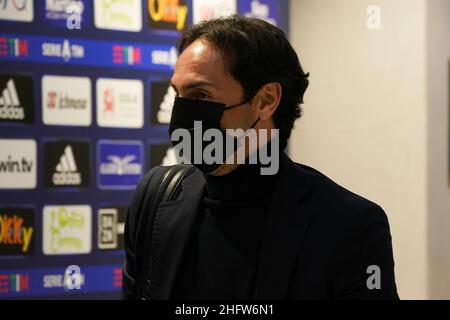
[256, 53]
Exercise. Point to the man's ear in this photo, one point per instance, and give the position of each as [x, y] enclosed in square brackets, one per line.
[269, 98]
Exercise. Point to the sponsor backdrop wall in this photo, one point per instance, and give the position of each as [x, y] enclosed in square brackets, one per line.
[84, 106]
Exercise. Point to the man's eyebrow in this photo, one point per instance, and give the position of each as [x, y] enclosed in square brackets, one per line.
[193, 85]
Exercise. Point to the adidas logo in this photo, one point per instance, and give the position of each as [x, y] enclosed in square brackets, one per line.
[165, 109]
[66, 170]
[10, 107]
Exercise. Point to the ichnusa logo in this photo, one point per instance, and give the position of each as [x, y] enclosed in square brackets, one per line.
[65, 50]
[66, 100]
[16, 10]
[119, 164]
[18, 163]
[13, 47]
[67, 229]
[16, 98]
[17, 229]
[66, 164]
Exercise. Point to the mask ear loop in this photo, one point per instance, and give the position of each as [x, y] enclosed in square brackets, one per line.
[236, 105]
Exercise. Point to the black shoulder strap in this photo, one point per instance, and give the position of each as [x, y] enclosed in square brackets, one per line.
[164, 185]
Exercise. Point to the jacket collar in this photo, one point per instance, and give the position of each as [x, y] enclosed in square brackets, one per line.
[287, 221]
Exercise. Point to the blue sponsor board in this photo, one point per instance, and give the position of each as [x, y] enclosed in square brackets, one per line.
[267, 10]
[88, 52]
[119, 164]
[56, 281]
[69, 14]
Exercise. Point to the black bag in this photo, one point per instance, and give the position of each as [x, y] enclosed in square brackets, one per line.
[164, 185]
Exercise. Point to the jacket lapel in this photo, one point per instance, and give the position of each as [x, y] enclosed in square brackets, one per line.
[287, 221]
[174, 227]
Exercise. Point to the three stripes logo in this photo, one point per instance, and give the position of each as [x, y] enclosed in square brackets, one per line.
[66, 164]
[66, 170]
[16, 98]
[10, 104]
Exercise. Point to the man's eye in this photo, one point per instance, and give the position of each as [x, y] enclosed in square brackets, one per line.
[202, 96]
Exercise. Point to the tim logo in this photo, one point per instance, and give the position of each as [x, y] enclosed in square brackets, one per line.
[13, 47]
[17, 230]
[66, 164]
[126, 55]
[119, 164]
[16, 98]
[14, 283]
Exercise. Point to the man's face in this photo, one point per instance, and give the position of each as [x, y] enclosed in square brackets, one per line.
[200, 73]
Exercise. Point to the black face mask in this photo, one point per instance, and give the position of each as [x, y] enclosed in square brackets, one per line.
[185, 111]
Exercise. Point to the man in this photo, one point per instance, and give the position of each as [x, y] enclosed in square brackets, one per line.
[234, 233]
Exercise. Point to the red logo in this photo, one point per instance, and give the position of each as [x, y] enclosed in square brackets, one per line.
[52, 99]
[117, 277]
[108, 101]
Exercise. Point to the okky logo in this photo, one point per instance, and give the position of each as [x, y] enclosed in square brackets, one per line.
[17, 229]
[167, 14]
[66, 164]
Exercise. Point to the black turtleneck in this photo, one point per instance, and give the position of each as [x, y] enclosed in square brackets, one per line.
[222, 257]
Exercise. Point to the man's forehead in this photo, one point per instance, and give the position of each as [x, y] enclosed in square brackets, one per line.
[201, 59]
